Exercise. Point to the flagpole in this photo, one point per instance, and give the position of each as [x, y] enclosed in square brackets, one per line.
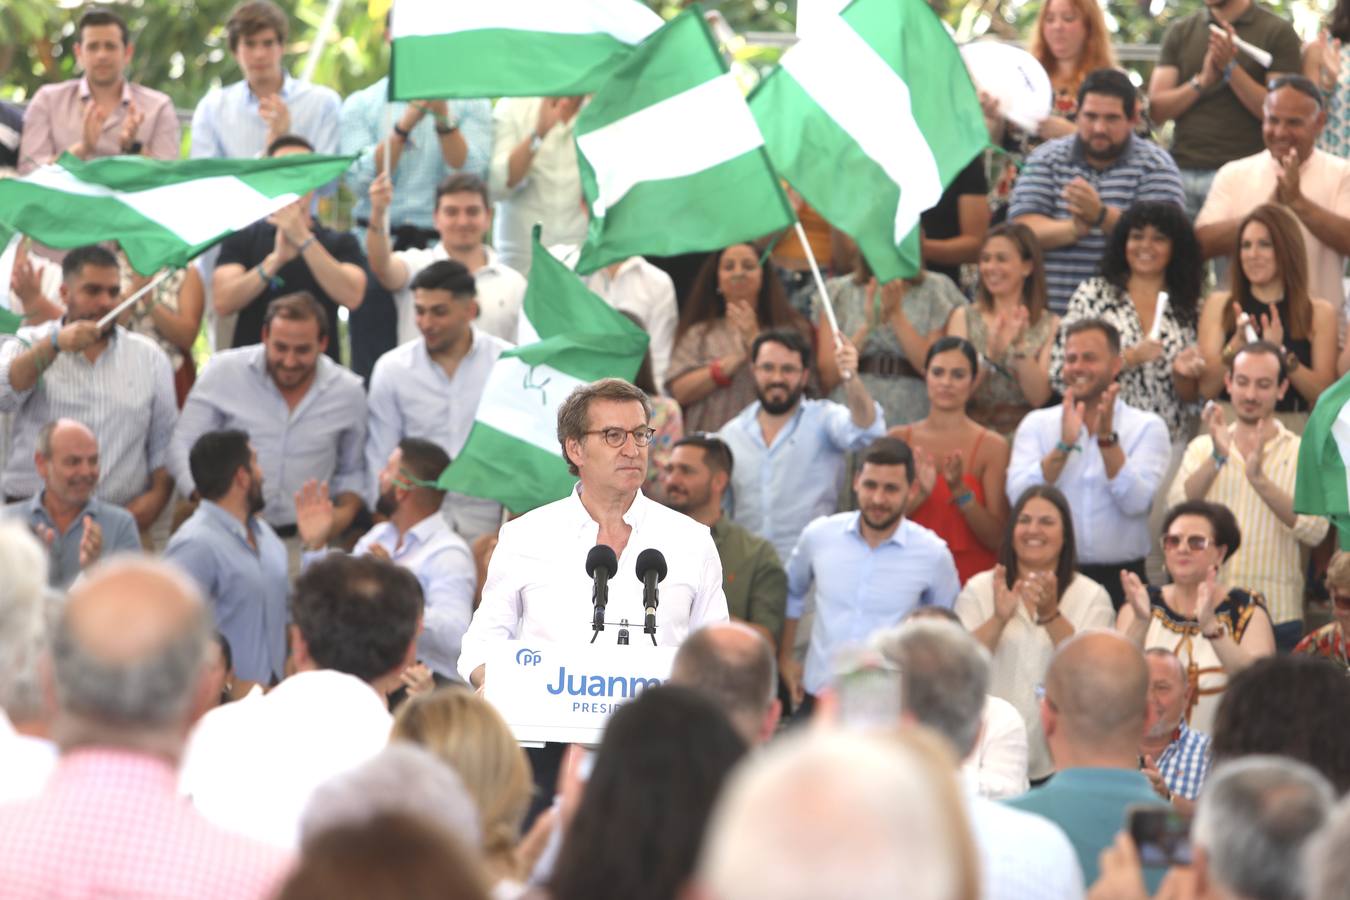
[388, 172]
[121, 307]
[820, 287]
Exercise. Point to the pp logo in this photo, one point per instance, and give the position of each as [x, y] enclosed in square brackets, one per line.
[527, 657]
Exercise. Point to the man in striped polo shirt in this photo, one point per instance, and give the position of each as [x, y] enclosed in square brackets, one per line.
[1074, 189]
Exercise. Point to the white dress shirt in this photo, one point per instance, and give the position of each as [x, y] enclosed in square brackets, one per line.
[444, 567]
[537, 587]
[1110, 515]
[251, 766]
[1023, 856]
[25, 763]
[998, 766]
[500, 290]
[550, 192]
[411, 396]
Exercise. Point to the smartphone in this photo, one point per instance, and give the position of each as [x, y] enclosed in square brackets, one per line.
[1161, 834]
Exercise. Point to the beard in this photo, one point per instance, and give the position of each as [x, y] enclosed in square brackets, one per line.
[256, 503]
[778, 407]
[387, 503]
[1111, 152]
[882, 524]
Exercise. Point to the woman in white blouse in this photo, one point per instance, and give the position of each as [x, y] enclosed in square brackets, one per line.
[1029, 604]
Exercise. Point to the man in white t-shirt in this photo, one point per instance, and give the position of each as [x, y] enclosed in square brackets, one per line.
[463, 217]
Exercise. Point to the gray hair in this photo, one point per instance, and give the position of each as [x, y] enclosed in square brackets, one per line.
[145, 693]
[741, 677]
[575, 413]
[1254, 817]
[22, 590]
[944, 677]
[1327, 862]
[402, 778]
[877, 822]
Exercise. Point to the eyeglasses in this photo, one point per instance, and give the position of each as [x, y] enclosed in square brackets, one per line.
[1195, 542]
[617, 437]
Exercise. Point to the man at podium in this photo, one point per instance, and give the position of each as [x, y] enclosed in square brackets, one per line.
[538, 586]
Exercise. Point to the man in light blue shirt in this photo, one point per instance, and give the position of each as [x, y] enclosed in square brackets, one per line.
[305, 414]
[430, 388]
[416, 537]
[242, 119]
[1107, 457]
[77, 529]
[790, 452]
[234, 556]
[870, 568]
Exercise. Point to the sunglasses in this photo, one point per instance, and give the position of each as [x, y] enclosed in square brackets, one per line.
[1195, 542]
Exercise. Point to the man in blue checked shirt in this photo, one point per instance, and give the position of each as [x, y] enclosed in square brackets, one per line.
[870, 568]
[1175, 758]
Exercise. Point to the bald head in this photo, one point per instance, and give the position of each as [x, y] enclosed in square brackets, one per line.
[1097, 686]
[734, 665]
[130, 647]
[67, 461]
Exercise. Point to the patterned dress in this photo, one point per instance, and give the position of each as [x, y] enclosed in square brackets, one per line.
[1182, 636]
[998, 402]
[1327, 642]
[1149, 386]
[1335, 136]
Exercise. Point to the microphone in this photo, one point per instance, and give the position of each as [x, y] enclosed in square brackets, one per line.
[601, 566]
[651, 568]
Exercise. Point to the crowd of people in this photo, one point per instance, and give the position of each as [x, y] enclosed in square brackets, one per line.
[961, 592]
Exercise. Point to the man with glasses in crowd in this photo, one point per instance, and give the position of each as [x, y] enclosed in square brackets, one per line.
[791, 450]
[1312, 184]
[537, 585]
[1250, 467]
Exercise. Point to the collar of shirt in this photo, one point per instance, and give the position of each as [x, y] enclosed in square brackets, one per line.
[287, 88]
[1281, 434]
[1303, 167]
[633, 516]
[226, 520]
[419, 535]
[749, 420]
[477, 346]
[86, 92]
[37, 509]
[86, 770]
[897, 537]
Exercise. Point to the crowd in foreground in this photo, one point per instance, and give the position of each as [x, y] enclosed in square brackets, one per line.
[976, 597]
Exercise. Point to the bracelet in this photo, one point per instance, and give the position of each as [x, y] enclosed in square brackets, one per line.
[963, 499]
[56, 345]
[305, 243]
[1228, 70]
[719, 377]
[1101, 217]
[1219, 458]
[1066, 449]
[1049, 619]
[407, 136]
[269, 281]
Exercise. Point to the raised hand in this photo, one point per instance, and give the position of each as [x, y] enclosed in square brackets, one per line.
[91, 542]
[381, 195]
[1144, 352]
[76, 336]
[953, 468]
[1043, 588]
[276, 114]
[742, 317]
[1207, 600]
[1288, 187]
[1102, 419]
[1071, 419]
[846, 355]
[1005, 598]
[90, 130]
[1217, 423]
[130, 125]
[925, 471]
[1254, 463]
[313, 514]
[290, 220]
[418, 679]
[1272, 329]
[1136, 594]
[550, 113]
[1189, 363]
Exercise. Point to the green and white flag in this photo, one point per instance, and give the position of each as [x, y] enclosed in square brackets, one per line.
[671, 158]
[9, 241]
[1322, 486]
[870, 117]
[512, 454]
[510, 48]
[161, 212]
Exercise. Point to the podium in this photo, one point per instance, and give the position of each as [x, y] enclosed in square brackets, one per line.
[565, 693]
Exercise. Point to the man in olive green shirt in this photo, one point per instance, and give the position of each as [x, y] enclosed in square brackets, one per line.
[753, 579]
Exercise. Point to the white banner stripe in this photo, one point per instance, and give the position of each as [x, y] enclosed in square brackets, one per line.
[194, 211]
[522, 400]
[1340, 431]
[829, 64]
[691, 132]
[626, 20]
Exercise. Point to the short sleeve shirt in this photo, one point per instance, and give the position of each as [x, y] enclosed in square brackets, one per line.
[250, 247]
[1218, 128]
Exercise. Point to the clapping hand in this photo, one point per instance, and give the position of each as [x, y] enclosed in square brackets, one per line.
[276, 114]
[1071, 418]
[1207, 600]
[742, 317]
[1102, 419]
[1189, 363]
[1288, 188]
[1005, 598]
[1272, 329]
[91, 542]
[1008, 328]
[1136, 594]
[130, 125]
[953, 469]
[313, 514]
[925, 472]
[1218, 428]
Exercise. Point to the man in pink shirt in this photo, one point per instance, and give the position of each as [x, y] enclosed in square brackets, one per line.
[101, 114]
[131, 670]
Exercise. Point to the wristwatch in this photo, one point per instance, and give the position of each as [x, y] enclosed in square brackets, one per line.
[133, 149]
[1195, 83]
[1108, 440]
[535, 143]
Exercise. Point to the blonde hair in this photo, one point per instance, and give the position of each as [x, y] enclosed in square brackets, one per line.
[471, 737]
[1338, 571]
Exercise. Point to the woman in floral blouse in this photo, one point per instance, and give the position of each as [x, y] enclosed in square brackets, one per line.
[1153, 250]
[1328, 641]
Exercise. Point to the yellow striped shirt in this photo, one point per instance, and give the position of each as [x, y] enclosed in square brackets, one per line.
[1270, 560]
